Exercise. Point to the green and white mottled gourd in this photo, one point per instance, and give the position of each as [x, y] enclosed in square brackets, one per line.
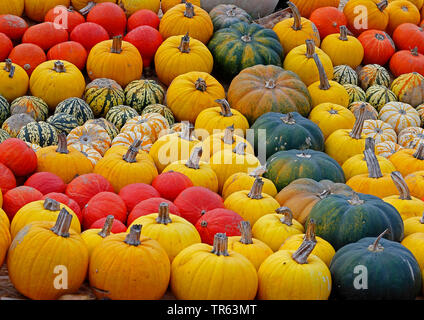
[33, 106]
[102, 94]
[40, 133]
[378, 96]
[355, 93]
[63, 122]
[4, 109]
[225, 15]
[3, 135]
[119, 115]
[344, 74]
[162, 110]
[76, 107]
[141, 93]
[14, 123]
[373, 74]
[110, 128]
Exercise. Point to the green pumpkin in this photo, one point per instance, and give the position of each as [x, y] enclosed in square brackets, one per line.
[33, 106]
[63, 122]
[342, 219]
[392, 272]
[225, 15]
[284, 167]
[110, 128]
[244, 45]
[4, 109]
[77, 108]
[355, 93]
[378, 96]
[162, 110]
[102, 94]
[119, 115]
[286, 132]
[40, 133]
[3, 135]
[14, 123]
[344, 74]
[141, 93]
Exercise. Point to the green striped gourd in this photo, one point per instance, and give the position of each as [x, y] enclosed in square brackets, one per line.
[76, 107]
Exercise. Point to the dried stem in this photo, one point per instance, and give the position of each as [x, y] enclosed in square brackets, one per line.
[256, 191]
[356, 132]
[63, 223]
[376, 246]
[9, 67]
[240, 148]
[194, 160]
[310, 48]
[107, 227]
[225, 107]
[116, 44]
[246, 232]
[400, 183]
[297, 18]
[374, 170]
[228, 137]
[343, 33]
[258, 172]
[288, 215]
[163, 215]
[133, 238]
[51, 205]
[200, 85]
[323, 79]
[220, 244]
[132, 152]
[185, 44]
[62, 146]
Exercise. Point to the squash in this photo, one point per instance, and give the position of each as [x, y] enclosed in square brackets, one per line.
[11, 24]
[6, 46]
[256, 10]
[370, 112]
[134, 193]
[328, 19]
[108, 15]
[17, 197]
[143, 17]
[111, 130]
[3, 135]
[411, 137]
[355, 93]
[45, 35]
[374, 12]
[373, 74]
[407, 61]
[399, 115]
[102, 94]
[171, 184]
[5, 238]
[46, 182]
[378, 96]
[165, 5]
[93, 237]
[41, 133]
[37, 9]
[149, 125]
[378, 47]
[127, 138]
[413, 225]
[28, 56]
[400, 12]
[224, 15]
[149, 206]
[387, 148]
[77, 108]
[14, 80]
[415, 37]
[13, 124]
[15, 7]
[409, 160]
[62, 122]
[92, 154]
[91, 135]
[379, 130]
[7, 180]
[4, 109]
[306, 8]
[70, 51]
[409, 88]
[33, 106]
[344, 74]
[72, 16]
[162, 110]
[414, 244]
[89, 34]
[119, 115]
[132, 6]
[141, 93]
[18, 157]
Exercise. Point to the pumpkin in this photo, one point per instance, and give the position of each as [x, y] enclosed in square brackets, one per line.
[379, 131]
[402, 11]
[7, 180]
[414, 243]
[280, 91]
[409, 88]
[386, 148]
[6, 46]
[36, 10]
[374, 12]
[169, 4]
[18, 157]
[373, 74]
[149, 206]
[411, 137]
[413, 225]
[89, 34]
[409, 160]
[46, 182]
[370, 112]
[134, 193]
[70, 51]
[28, 56]
[12, 25]
[343, 49]
[149, 262]
[13, 80]
[162, 110]
[330, 117]
[133, 6]
[407, 61]
[378, 47]
[328, 20]
[378, 96]
[300, 61]
[111, 130]
[344, 74]
[224, 15]
[64, 161]
[150, 125]
[45, 35]
[87, 4]
[306, 8]
[62, 122]
[93, 237]
[143, 17]
[3, 135]
[355, 93]
[171, 184]
[294, 31]
[399, 115]
[251, 44]
[414, 38]
[141, 93]
[400, 267]
[119, 115]
[33, 106]
[110, 16]
[127, 138]
[102, 94]
[127, 166]
[63, 198]
[17, 197]
[5, 238]
[91, 135]
[4, 109]
[191, 93]
[256, 10]
[61, 13]
[91, 154]
[58, 246]
[13, 124]
[40, 133]
[77, 108]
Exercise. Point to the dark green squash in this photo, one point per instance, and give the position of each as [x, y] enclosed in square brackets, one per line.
[4, 109]
[33, 106]
[63, 122]
[102, 94]
[3, 135]
[225, 15]
[342, 219]
[344, 74]
[141, 93]
[76, 107]
[40, 133]
[284, 167]
[355, 93]
[110, 128]
[162, 110]
[286, 132]
[391, 271]
[119, 115]
[244, 45]
[378, 96]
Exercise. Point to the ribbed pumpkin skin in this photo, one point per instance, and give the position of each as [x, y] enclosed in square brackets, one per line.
[91, 135]
[378, 96]
[287, 166]
[224, 15]
[379, 131]
[13, 87]
[347, 219]
[376, 19]
[373, 74]
[340, 146]
[162, 110]
[111, 130]
[141, 93]
[77, 108]
[280, 91]
[119, 115]
[409, 88]
[13, 124]
[344, 74]
[286, 132]
[357, 165]
[335, 94]
[12, 7]
[355, 93]
[400, 12]
[307, 7]
[63, 122]
[102, 94]
[169, 4]
[328, 20]
[4, 109]
[3, 135]
[405, 162]
[33, 106]
[243, 181]
[378, 47]
[400, 116]
[399, 279]
[250, 45]
[256, 252]
[387, 148]
[41, 133]
[5, 238]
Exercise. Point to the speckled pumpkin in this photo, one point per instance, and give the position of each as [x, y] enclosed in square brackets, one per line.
[92, 155]
[373, 74]
[102, 94]
[63, 122]
[150, 125]
[411, 137]
[386, 148]
[76, 107]
[162, 110]
[41, 133]
[409, 88]
[92, 135]
[344, 74]
[379, 130]
[141, 93]
[355, 93]
[119, 115]
[33, 106]
[14, 124]
[127, 138]
[4, 109]
[378, 96]
[111, 130]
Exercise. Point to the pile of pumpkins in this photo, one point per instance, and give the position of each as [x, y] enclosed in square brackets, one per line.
[309, 164]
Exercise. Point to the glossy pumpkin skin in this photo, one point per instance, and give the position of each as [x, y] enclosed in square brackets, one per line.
[328, 20]
[45, 35]
[402, 11]
[171, 184]
[77, 108]
[110, 16]
[12, 25]
[89, 34]
[63, 198]
[40, 133]
[415, 183]
[335, 94]
[6, 46]
[147, 40]
[414, 39]
[341, 146]
[15, 86]
[401, 271]
[347, 219]
[409, 88]
[14, 199]
[102, 94]
[46, 182]
[407, 61]
[149, 206]
[18, 157]
[414, 243]
[280, 91]
[28, 56]
[407, 208]
[378, 18]
[225, 15]
[378, 47]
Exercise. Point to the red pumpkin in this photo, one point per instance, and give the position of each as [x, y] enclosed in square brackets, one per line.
[147, 40]
[16, 198]
[63, 198]
[86, 186]
[134, 193]
[328, 20]
[60, 13]
[13, 26]
[7, 179]
[6, 46]
[110, 16]
[45, 35]
[28, 56]
[150, 206]
[407, 61]
[102, 205]
[378, 47]
[170, 184]
[18, 157]
[46, 182]
[407, 36]
[143, 17]
[89, 34]
[70, 51]
[117, 226]
[218, 221]
[194, 202]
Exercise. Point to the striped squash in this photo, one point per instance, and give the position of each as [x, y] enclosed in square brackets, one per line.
[3, 135]
[224, 15]
[162, 110]
[4, 109]
[89, 152]
[91, 135]
[110, 128]
[33, 106]
[63, 122]
[378, 96]
[119, 115]
[128, 138]
[372, 74]
[355, 93]
[379, 131]
[370, 112]
[40, 133]
[420, 110]
[141, 93]
[386, 148]
[102, 94]
[150, 125]
[35, 147]
[411, 137]
[344, 74]
[409, 88]
[13, 124]
[399, 115]
[76, 107]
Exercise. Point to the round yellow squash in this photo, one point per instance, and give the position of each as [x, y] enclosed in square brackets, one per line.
[37, 9]
[413, 225]
[132, 6]
[5, 237]
[13, 80]
[415, 244]
[15, 7]
[93, 237]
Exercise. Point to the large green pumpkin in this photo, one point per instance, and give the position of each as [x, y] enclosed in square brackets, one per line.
[284, 167]
[76, 107]
[342, 219]
[63, 122]
[119, 115]
[33, 106]
[286, 132]
[244, 45]
[390, 270]
[4, 109]
[225, 15]
[102, 94]
[141, 93]
[40, 133]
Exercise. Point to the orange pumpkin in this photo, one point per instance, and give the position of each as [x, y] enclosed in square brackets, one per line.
[409, 160]
[374, 15]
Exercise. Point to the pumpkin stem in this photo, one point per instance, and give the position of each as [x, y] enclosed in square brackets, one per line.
[194, 160]
[51, 205]
[288, 118]
[231, 12]
[240, 148]
[297, 18]
[270, 84]
[414, 52]
[382, 5]
[302, 253]
[400, 183]
[258, 172]
[186, 131]
[62, 146]
[376, 246]
[288, 215]
[246, 38]
[343, 33]
[163, 215]
[133, 238]
[63, 223]
[107, 226]
[220, 244]
[419, 153]
[87, 8]
[323, 79]
[116, 44]
[356, 132]
[354, 200]
[189, 11]
[422, 219]
[59, 67]
[228, 137]
[9, 67]
[256, 191]
[324, 194]
[225, 107]
[310, 231]
[374, 170]
[200, 85]
[246, 232]
[370, 143]
[185, 44]
[310, 48]
[132, 152]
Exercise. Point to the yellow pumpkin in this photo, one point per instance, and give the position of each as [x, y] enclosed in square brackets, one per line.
[307, 7]
[82, 4]
[402, 11]
[13, 80]
[415, 243]
[413, 225]
[357, 165]
[372, 14]
[5, 237]
[399, 115]
[132, 6]
[15, 7]
[379, 131]
[93, 237]
[415, 182]
[409, 160]
[37, 9]
[168, 4]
